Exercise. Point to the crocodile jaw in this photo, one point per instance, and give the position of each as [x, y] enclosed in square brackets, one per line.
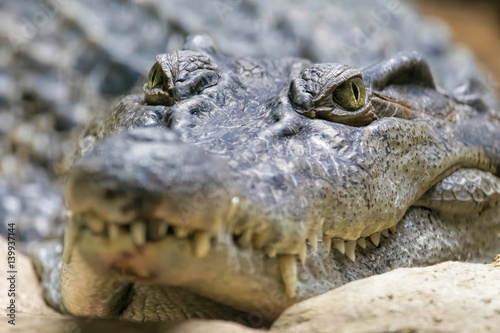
[251, 281]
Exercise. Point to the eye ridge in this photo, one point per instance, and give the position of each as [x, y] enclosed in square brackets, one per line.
[350, 95]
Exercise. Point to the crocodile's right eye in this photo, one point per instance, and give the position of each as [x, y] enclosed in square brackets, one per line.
[334, 92]
[155, 77]
[350, 95]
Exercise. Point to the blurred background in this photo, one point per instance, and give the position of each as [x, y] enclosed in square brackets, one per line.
[475, 24]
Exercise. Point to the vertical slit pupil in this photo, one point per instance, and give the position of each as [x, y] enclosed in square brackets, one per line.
[154, 76]
[355, 90]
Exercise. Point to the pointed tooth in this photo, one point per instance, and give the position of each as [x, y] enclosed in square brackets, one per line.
[320, 223]
[339, 245]
[385, 233]
[288, 268]
[162, 229]
[157, 229]
[245, 239]
[375, 238]
[393, 229]
[68, 214]
[362, 242]
[303, 253]
[113, 231]
[201, 243]
[181, 232]
[327, 244]
[350, 252]
[70, 236]
[95, 224]
[313, 239]
[138, 231]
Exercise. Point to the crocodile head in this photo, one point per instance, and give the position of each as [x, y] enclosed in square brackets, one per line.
[256, 183]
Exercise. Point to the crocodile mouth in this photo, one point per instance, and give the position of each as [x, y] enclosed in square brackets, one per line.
[156, 252]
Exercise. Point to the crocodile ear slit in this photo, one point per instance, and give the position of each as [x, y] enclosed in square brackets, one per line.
[404, 68]
[403, 87]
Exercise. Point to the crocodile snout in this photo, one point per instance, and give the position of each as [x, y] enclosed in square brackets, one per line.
[149, 181]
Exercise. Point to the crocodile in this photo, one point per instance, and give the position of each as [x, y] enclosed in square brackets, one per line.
[241, 175]
[234, 187]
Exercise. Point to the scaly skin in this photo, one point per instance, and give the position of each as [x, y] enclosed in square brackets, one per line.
[221, 180]
[236, 187]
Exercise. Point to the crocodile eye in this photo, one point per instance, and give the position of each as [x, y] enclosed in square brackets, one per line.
[155, 77]
[350, 95]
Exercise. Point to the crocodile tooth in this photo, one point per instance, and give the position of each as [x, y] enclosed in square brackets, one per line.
[138, 231]
[339, 245]
[385, 233]
[95, 224]
[362, 242]
[157, 229]
[350, 247]
[181, 232]
[288, 268]
[113, 231]
[303, 253]
[375, 238]
[313, 239]
[162, 229]
[245, 239]
[327, 244]
[393, 229]
[201, 243]
[320, 223]
[70, 239]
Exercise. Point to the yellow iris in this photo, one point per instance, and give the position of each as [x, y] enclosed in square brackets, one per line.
[155, 77]
[350, 95]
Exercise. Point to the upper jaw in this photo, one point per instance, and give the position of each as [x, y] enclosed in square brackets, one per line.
[149, 174]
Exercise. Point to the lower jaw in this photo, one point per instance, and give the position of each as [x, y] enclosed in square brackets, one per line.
[251, 281]
[229, 275]
[245, 279]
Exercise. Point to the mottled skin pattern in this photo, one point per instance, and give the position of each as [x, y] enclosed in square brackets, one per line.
[207, 195]
[231, 170]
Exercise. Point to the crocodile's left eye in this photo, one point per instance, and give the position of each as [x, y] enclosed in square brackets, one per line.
[155, 77]
[350, 95]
